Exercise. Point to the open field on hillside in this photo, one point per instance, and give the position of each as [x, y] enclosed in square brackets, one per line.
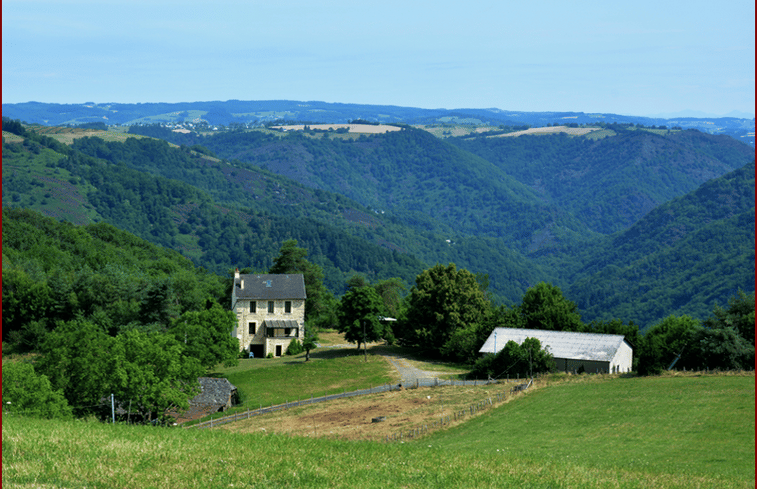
[454, 130]
[353, 128]
[9, 137]
[67, 135]
[571, 131]
[659, 432]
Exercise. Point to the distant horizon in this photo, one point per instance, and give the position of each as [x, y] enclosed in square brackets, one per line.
[687, 113]
[645, 57]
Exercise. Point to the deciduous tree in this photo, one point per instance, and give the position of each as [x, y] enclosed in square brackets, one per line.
[544, 307]
[358, 314]
[442, 301]
[206, 336]
[30, 394]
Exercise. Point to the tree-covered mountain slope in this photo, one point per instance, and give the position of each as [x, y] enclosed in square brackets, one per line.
[412, 176]
[610, 183]
[683, 257]
[237, 216]
[224, 213]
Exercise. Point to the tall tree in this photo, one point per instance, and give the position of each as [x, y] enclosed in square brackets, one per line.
[665, 341]
[158, 375]
[84, 363]
[544, 307]
[739, 315]
[206, 336]
[390, 291]
[442, 301]
[293, 259]
[358, 314]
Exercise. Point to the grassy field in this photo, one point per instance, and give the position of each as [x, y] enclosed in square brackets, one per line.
[268, 381]
[575, 431]
[671, 427]
[672, 431]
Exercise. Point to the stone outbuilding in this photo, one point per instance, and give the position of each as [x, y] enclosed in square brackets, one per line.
[270, 311]
[573, 352]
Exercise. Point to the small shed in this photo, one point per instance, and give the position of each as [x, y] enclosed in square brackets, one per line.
[593, 351]
[219, 394]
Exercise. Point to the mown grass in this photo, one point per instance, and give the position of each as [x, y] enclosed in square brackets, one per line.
[624, 432]
[269, 381]
[697, 426]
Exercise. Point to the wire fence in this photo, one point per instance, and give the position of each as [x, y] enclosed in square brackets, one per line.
[448, 419]
[416, 383]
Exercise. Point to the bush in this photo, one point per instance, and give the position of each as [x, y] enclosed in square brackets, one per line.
[26, 392]
[295, 347]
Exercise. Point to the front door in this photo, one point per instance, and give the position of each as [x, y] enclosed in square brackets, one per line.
[278, 350]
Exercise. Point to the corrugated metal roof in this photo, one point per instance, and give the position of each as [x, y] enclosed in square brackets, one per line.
[270, 286]
[562, 344]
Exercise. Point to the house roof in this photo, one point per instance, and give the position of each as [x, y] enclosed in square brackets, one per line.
[270, 286]
[562, 344]
[213, 392]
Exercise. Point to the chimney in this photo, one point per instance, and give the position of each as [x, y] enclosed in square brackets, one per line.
[237, 278]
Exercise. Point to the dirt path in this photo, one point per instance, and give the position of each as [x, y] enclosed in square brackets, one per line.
[409, 373]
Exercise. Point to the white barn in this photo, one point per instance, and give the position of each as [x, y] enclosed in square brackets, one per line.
[595, 352]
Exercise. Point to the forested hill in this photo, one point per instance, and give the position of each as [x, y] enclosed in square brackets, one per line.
[681, 258]
[610, 183]
[236, 215]
[411, 175]
[223, 213]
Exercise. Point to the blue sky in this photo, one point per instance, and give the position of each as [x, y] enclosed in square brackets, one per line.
[634, 58]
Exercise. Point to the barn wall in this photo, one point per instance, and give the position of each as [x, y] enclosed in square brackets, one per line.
[623, 360]
[573, 365]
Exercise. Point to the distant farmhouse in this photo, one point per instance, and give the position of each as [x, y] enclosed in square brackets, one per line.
[573, 352]
[270, 312]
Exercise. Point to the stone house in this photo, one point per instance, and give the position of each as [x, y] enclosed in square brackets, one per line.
[270, 312]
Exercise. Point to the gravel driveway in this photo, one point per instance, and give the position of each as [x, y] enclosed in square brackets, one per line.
[409, 373]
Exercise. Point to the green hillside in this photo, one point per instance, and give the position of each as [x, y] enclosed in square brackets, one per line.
[411, 175]
[611, 183]
[682, 258]
[226, 213]
[659, 432]
[120, 184]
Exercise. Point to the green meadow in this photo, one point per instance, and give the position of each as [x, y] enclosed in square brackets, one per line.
[636, 432]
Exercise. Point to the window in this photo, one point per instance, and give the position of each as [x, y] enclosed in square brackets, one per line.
[287, 331]
[270, 307]
[252, 328]
[253, 306]
[288, 307]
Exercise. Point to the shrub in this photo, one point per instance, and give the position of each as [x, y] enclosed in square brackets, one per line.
[26, 392]
[295, 347]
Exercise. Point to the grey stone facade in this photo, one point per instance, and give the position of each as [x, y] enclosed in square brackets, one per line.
[270, 311]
